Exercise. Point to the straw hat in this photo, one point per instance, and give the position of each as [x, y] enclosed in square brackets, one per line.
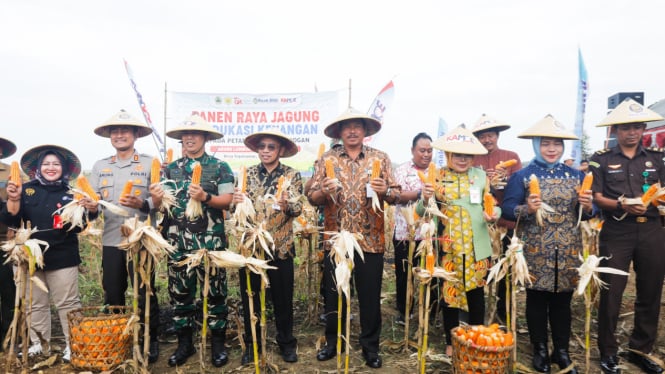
[630, 111]
[8, 148]
[485, 123]
[372, 126]
[547, 127]
[122, 118]
[460, 140]
[30, 159]
[290, 147]
[194, 123]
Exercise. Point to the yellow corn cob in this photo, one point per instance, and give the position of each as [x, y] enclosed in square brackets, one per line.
[169, 155]
[280, 185]
[646, 198]
[14, 173]
[242, 181]
[302, 221]
[330, 169]
[534, 185]
[506, 164]
[127, 189]
[83, 185]
[586, 183]
[488, 202]
[196, 174]
[429, 261]
[431, 173]
[422, 176]
[416, 217]
[155, 170]
[376, 169]
[322, 148]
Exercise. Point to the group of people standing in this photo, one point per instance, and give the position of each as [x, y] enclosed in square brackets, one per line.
[546, 222]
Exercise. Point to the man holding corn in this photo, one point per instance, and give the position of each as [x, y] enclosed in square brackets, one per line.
[275, 190]
[349, 180]
[108, 177]
[189, 231]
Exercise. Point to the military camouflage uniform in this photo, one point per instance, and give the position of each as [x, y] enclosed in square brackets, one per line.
[188, 236]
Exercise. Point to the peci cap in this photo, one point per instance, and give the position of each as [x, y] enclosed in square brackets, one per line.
[122, 118]
[460, 140]
[547, 127]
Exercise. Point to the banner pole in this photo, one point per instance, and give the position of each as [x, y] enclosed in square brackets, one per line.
[165, 102]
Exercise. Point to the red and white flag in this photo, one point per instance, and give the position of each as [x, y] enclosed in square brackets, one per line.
[379, 105]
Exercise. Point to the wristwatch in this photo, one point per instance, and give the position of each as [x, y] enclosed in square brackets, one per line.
[389, 192]
[619, 204]
[208, 197]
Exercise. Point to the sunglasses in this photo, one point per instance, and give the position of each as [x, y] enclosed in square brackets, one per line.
[270, 147]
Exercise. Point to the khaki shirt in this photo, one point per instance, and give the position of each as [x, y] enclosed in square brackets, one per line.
[108, 178]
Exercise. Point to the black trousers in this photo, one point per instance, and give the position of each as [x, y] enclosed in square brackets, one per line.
[542, 306]
[281, 294]
[367, 276]
[401, 273]
[115, 272]
[7, 295]
[475, 300]
[501, 285]
[643, 245]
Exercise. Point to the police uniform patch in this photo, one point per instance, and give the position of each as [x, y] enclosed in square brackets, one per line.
[594, 164]
[105, 182]
[648, 164]
[30, 191]
[614, 166]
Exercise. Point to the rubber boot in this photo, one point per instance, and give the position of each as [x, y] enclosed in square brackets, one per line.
[219, 356]
[185, 348]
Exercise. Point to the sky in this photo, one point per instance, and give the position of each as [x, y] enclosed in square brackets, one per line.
[62, 72]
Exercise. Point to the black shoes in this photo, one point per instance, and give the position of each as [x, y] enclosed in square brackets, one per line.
[219, 356]
[289, 356]
[610, 364]
[562, 359]
[185, 348]
[372, 359]
[326, 353]
[153, 351]
[541, 359]
[645, 363]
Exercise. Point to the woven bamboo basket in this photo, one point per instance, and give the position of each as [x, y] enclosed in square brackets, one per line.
[472, 358]
[99, 339]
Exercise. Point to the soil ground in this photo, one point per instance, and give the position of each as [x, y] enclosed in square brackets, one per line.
[309, 331]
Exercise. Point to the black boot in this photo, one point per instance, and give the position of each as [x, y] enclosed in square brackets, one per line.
[219, 356]
[561, 357]
[185, 348]
[541, 359]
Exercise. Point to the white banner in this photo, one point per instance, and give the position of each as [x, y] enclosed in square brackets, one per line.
[300, 116]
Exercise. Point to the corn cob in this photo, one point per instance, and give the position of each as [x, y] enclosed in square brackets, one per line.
[322, 148]
[330, 169]
[196, 174]
[83, 185]
[242, 179]
[127, 189]
[169, 155]
[15, 174]
[506, 164]
[488, 202]
[422, 176]
[376, 169]
[302, 221]
[431, 173]
[280, 187]
[586, 183]
[155, 171]
[646, 198]
[534, 185]
[429, 261]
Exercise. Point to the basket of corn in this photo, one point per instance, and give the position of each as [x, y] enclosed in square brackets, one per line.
[100, 337]
[482, 349]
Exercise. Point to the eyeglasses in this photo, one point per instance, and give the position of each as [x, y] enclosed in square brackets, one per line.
[271, 147]
[52, 164]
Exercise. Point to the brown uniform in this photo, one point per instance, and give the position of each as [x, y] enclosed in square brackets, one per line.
[636, 239]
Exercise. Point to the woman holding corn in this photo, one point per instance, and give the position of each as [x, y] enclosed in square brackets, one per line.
[38, 201]
[545, 199]
[465, 244]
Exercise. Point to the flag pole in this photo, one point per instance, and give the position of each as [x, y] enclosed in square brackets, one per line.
[165, 102]
[349, 92]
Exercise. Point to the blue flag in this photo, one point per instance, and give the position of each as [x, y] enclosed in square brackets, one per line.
[582, 88]
[443, 128]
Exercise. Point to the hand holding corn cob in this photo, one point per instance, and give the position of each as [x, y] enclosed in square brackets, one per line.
[194, 208]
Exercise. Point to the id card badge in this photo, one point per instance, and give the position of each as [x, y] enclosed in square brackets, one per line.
[370, 192]
[276, 207]
[474, 195]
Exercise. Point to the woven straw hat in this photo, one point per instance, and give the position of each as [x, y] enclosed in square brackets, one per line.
[7, 147]
[194, 123]
[122, 118]
[30, 159]
[460, 140]
[290, 147]
[486, 122]
[372, 126]
[547, 127]
[630, 111]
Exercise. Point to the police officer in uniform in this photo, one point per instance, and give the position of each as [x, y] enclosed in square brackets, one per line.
[108, 178]
[632, 232]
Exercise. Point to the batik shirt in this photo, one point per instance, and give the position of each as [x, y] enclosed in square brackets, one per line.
[406, 175]
[206, 231]
[349, 208]
[260, 184]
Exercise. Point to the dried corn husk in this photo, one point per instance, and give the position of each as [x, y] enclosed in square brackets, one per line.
[425, 276]
[23, 250]
[514, 258]
[254, 234]
[245, 213]
[344, 244]
[343, 276]
[589, 271]
[226, 260]
[141, 234]
[73, 213]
